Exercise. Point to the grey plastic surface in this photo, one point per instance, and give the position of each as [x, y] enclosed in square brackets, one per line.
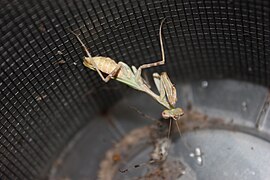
[238, 152]
[226, 155]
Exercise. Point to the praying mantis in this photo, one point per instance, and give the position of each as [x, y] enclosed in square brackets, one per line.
[131, 76]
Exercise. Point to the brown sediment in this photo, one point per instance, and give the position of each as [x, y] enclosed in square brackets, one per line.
[193, 120]
[149, 136]
[108, 167]
[170, 169]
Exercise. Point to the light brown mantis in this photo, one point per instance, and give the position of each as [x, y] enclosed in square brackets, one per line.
[132, 77]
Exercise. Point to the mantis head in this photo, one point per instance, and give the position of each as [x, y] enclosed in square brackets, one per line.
[173, 113]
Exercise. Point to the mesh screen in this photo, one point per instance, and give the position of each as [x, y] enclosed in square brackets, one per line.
[46, 93]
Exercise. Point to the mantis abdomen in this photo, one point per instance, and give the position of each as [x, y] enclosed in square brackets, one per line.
[104, 64]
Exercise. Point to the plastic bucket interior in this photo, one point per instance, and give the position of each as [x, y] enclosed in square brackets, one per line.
[59, 120]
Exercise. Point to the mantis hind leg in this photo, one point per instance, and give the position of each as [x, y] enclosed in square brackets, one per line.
[158, 63]
[113, 73]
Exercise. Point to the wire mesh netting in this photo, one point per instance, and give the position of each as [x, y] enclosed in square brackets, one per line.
[46, 93]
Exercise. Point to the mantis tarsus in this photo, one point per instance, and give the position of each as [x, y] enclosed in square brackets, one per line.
[132, 77]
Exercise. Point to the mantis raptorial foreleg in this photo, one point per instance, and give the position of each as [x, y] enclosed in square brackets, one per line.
[170, 90]
[159, 86]
[158, 63]
[166, 88]
[111, 74]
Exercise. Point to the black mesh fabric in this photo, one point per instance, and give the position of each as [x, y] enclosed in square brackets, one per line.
[47, 95]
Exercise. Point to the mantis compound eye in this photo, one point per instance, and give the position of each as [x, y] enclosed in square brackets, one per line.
[164, 115]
